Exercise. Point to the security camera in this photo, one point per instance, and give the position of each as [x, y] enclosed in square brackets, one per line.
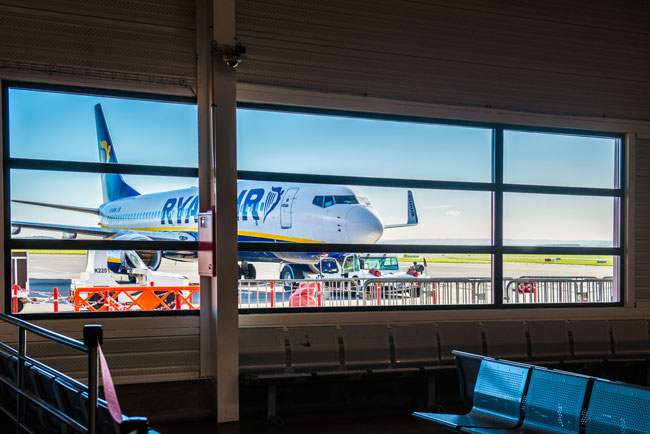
[231, 61]
[232, 56]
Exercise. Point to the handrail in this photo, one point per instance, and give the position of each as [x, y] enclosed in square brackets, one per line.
[93, 337]
[49, 334]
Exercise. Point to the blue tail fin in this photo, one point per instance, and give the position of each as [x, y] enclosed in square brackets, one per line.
[113, 185]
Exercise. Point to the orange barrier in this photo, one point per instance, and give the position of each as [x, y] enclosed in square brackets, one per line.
[124, 298]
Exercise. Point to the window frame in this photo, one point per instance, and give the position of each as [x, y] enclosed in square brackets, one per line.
[9, 163]
[496, 187]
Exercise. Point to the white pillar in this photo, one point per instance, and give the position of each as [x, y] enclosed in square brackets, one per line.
[217, 105]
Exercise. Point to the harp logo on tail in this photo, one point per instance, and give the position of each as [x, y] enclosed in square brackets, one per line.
[107, 148]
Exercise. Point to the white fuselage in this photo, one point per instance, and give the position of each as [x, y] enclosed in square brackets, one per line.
[266, 212]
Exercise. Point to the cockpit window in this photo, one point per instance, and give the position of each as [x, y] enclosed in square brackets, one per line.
[345, 200]
[327, 201]
[364, 200]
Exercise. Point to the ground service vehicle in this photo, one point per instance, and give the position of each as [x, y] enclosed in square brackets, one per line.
[358, 266]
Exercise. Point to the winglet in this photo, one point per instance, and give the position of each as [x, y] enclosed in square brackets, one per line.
[411, 212]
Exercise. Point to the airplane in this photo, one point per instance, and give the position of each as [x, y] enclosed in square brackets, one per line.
[266, 212]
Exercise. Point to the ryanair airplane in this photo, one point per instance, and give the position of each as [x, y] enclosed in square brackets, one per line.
[266, 212]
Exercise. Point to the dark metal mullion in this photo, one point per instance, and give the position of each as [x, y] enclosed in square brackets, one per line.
[428, 248]
[363, 181]
[619, 217]
[99, 245]
[497, 216]
[6, 191]
[547, 250]
[89, 167]
[420, 119]
[573, 191]
[361, 248]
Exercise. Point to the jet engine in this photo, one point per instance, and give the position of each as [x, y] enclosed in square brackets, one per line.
[121, 261]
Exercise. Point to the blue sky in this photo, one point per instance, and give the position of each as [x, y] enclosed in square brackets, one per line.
[61, 126]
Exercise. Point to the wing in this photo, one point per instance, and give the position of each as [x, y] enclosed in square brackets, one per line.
[100, 232]
[94, 211]
[103, 232]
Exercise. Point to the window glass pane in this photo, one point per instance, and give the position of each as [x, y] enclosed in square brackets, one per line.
[41, 277]
[64, 126]
[559, 279]
[557, 220]
[336, 145]
[350, 280]
[49, 204]
[559, 159]
[281, 212]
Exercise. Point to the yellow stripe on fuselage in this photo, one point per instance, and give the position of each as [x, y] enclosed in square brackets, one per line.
[277, 237]
[160, 229]
[242, 233]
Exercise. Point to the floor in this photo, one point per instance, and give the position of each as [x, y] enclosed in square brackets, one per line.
[325, 424]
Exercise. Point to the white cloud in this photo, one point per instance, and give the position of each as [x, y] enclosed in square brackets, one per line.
[453, 213]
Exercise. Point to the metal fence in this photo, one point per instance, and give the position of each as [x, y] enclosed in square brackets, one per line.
[352, 293]
[527, 290]
[372, 292]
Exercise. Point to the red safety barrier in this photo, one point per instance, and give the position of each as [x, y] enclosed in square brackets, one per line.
[125, 298]
[272, 295]
[378, 294]
[55, 295]
[15, 300]
[319, 293]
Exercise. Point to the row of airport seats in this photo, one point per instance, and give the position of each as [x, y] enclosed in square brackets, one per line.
[58, 392]
[513, 397]
[275, 355]
[331, 348]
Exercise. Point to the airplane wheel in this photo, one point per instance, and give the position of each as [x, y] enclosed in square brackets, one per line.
[288, 273]
[239, 272]
[251, 273]
[20, 305]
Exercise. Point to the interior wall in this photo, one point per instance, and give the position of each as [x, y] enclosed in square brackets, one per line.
[641, 218]
[574, 65]
[571, 58]
[110, 41]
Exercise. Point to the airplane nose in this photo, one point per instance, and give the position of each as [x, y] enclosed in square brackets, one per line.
[363, 226]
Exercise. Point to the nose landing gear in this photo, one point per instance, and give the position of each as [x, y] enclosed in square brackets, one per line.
[247, 271]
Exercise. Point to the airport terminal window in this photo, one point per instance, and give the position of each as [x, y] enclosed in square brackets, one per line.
[432, 212]
[102, 196]
[400, 213]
